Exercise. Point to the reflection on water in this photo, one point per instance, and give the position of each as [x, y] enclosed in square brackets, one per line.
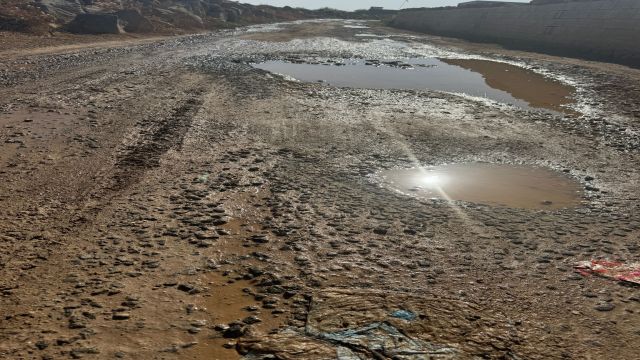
[490, 184]
[537, 90]
[497, 81]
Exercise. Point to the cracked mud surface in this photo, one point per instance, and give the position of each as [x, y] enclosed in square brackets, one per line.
[166, 200]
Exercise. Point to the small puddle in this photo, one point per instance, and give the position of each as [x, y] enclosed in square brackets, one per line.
[489, 184]
[482, 78]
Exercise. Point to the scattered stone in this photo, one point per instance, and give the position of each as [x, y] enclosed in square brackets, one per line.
[76, 322]
[41, 344]
[607, 306]
[221, 327]
[188, 288]
[249, 320]
[121, 316]
[234, 331]
[259, 238]
[380, 231]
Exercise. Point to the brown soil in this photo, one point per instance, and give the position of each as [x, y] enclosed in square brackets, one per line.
[14, 44]
[154, 190]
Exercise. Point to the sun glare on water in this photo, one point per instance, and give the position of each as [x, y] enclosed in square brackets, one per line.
[432, 181]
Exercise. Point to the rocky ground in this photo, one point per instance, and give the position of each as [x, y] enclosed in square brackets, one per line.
[165, 200]
[60, 17]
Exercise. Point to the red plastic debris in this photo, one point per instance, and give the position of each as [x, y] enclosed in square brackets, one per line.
[615, 270]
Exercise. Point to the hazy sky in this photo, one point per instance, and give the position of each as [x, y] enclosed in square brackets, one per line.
[357, 4]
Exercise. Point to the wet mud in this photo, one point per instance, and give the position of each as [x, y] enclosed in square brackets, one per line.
[235, 301]
[159, 198]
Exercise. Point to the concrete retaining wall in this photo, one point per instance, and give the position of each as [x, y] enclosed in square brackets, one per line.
[607, 30]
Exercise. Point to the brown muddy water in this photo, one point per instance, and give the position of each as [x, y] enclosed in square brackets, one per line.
[489, 184]
[537, 90]
[231, 301]
[497, 81]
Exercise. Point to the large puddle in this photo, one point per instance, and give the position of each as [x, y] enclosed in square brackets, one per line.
[497, 81]
[489, 184]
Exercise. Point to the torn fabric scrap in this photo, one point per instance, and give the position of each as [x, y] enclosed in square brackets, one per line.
[615, 270]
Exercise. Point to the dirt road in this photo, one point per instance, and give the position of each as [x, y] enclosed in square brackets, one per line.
[166, 200]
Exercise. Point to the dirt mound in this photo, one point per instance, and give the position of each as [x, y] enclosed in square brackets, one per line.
[18, 16]
[144, 16]
[133, 21]
[95, 24]
[136, 16]
[64, 10]
[8, 23]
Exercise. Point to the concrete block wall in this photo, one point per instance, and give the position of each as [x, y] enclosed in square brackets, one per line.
[607, 30]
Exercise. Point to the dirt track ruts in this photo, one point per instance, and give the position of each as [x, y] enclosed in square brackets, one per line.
[142, 184]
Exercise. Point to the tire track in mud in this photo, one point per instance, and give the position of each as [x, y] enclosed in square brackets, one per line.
[155, 141]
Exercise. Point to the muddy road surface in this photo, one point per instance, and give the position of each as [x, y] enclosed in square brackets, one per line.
[171, 199]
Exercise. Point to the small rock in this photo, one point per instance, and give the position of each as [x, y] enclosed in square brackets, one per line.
[221, 327]
[251, 320]
[605, 307]
[76, 323]
[121, 316]
[380, 231]
[260, 239]
[199, 323]
[234, 331]
[188, 288]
